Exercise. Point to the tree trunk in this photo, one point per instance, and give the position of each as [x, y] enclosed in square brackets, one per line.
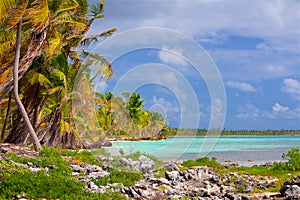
[34, 138]
[6, 118]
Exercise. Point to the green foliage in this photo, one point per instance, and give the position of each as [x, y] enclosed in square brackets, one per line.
[34, 185]
[160, 173]
[100, 151]
[293, 157]
[87, 157]
[57, 182]
[51, 186]
[293, 161]
[240, 189]
[204, 161]
[116, 176]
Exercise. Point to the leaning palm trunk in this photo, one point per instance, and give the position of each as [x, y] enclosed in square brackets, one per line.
[34, 138]
[32, 102]
[6, 118]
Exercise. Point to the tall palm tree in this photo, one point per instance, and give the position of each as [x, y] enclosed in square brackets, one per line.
[35, 141]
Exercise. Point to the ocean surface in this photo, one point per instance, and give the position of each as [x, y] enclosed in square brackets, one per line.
[242, 149]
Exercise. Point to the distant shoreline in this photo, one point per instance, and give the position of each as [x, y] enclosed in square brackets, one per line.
[172, 136]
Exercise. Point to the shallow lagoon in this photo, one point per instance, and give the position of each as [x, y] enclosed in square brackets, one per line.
[234, 148]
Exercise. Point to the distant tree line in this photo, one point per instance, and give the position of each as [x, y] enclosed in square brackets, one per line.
[204, 132]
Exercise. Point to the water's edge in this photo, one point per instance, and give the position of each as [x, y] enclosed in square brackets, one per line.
[242, 149]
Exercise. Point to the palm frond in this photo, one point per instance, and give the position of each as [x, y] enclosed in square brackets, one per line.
[38, 77]
[38, 14]
[61, 76]
[66, 5]
[12, 12]
[94, 38]
[5, 7]
[96, 10]
[54, 43]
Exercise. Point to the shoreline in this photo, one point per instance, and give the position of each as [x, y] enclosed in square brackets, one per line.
[149, 139]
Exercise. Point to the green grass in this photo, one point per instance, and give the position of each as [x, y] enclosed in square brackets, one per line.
[205, 161]
[116, 176]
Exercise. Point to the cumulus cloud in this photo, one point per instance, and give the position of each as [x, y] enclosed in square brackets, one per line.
[172, 56]
[248, 111]
[247, 87]
[277, 108]
[269, 20]
[285, 111]
[218, 113]
[292, 86]
[168, 107]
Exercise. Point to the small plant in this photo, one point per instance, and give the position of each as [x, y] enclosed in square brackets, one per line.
[86, 157]
[160, 173]
[240, 189]
[161, 188]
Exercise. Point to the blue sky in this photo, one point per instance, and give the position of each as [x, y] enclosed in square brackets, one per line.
[255, 46]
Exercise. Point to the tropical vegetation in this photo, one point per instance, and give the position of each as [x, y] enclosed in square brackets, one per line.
[55, 102]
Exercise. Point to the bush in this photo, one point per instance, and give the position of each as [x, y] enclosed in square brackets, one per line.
[293, 157]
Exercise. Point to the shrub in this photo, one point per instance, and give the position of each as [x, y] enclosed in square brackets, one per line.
[293, 161]
[293, 157]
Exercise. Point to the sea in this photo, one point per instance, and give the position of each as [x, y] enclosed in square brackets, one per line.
[244, 150]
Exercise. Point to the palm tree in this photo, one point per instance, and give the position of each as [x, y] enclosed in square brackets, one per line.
[35, 141]
[66, 23]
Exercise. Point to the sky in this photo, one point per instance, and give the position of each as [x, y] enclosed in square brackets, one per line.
[232, 64]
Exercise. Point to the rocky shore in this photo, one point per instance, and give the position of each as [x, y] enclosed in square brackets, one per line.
[199, 182]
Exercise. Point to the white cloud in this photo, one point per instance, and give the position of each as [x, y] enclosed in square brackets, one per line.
[292, 86]
[285, 112]
[275, 69]
[247, 87]
[172, 56]
[277, 108]
[218, 113]
[248, 111]
[101, 86]
[276, 22]
[167, 105]
[255, 65]
[263, 46]
[278, 111]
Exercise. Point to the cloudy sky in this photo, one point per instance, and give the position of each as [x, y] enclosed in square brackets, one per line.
[254, 45]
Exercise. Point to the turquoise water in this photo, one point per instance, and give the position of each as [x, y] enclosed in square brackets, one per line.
[234, 148]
